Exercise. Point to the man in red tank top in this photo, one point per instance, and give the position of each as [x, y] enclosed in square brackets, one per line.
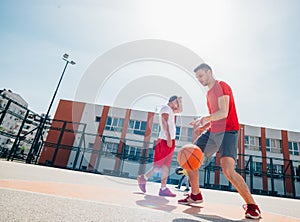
[221, 136]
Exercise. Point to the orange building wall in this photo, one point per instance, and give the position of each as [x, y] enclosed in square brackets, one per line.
[98, 140]
[68, 111]
[147, 136]
[287, 166]
[122, 139]
[264, 159]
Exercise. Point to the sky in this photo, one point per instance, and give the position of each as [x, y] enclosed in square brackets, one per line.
[252, 45]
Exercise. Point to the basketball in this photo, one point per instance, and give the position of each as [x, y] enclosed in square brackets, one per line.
[190, 157]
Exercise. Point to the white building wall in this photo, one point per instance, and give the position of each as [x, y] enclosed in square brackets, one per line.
[273, 134]
[89, 117]
[131, 167]
[11, 123]
[117, 112]
[252, 131]
[293, 136]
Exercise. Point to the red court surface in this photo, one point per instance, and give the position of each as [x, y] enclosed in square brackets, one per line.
[37, 193]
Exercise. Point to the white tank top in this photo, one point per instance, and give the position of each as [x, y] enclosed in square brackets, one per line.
[171, 122]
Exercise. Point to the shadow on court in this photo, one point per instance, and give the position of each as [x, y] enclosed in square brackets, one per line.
[155, 202]
[211, 218]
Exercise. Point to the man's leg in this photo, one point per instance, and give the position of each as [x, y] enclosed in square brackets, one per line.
[164, 191]
[194, 181]
[251, 209]
[180, 182]
[193, 175]
[228, 164]
[183, 179]
[195, 196]
[164, 175]
[150, 172]
[142, 179]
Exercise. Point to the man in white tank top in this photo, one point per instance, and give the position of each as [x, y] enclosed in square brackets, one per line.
[165, 146]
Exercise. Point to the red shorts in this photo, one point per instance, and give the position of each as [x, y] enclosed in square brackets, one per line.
[162, 153]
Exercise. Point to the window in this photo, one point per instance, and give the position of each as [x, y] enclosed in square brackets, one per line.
[137, 127]
[268, 147]
[130, 126]
[277, 169]
[121, 123]
[138, 153]
[246, 142]
[190, 134]
[184, 134]
[258, 166]
[252, 142]
[132, 152]
[150, 155]
[294, 148]
[178, 130]
[274, 145]
[155, 130]
[291, 149]
[98, 118]
[110, 149]
[108, 123]
[114, 124]
[143, 125]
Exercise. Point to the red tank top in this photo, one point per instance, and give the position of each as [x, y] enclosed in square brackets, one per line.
[219, 89]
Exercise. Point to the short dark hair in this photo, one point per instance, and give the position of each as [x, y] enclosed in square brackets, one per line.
[172, 98]
[203, 66]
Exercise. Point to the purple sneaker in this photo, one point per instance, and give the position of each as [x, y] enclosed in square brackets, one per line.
[166, 192]
[142, 183]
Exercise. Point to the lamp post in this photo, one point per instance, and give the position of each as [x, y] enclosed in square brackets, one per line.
[35, 144]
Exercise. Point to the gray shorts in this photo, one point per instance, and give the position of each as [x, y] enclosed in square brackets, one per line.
[225, 142]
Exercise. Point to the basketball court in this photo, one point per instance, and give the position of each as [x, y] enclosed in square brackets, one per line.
[37, 193]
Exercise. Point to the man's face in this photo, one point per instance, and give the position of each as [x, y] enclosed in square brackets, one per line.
[174, 104]
[203, 76]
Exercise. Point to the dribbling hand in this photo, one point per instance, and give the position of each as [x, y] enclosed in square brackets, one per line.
[197, 122]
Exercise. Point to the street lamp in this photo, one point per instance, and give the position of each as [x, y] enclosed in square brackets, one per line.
[35, 144]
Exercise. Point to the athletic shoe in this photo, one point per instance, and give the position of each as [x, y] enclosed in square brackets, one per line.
[142, 183]
[177, 187]
[191, 198]
[252, 211]
[187, 190]
[166, 192]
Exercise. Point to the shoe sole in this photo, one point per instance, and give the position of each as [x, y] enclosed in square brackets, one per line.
[189, 203]
[252, 217]
[166, 196]
[144, 191]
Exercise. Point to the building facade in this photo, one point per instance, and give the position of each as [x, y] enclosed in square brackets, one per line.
[121, 142]
[16, 106]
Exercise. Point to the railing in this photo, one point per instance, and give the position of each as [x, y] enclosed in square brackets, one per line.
[15, 140]
[125, 161]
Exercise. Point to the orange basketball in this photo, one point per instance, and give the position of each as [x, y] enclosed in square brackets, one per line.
[190, 157]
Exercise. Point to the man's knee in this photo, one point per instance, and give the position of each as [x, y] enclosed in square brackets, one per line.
[228, 171]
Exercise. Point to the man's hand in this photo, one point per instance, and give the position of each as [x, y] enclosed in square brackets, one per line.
[169, 142]
[178, 108]
[201, 121]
